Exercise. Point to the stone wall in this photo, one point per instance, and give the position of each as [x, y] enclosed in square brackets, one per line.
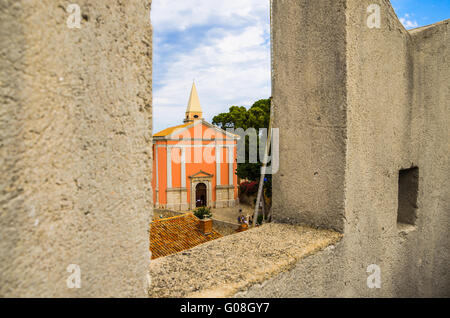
[355, 105]
[177, 199]
[75, 147]
[310, 104]
[225, 197]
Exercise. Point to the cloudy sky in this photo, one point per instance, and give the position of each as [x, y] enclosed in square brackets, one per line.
[224, 45]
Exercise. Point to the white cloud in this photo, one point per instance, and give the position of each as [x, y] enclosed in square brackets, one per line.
[408, 23]
[231, 65]
[182, 14]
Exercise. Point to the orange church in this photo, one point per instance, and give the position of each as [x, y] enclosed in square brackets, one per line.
[194, 163]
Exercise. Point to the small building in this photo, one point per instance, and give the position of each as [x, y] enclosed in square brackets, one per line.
[194, 163]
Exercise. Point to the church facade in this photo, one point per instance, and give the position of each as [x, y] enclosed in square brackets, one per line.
[194, 163]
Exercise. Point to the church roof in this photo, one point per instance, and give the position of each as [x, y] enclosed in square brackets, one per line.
[170, 130]
[194, 101]
[176, 234]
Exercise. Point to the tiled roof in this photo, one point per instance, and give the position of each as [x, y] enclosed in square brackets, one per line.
[176, 234]
[168, 131]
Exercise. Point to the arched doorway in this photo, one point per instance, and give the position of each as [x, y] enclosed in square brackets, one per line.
[200, 195]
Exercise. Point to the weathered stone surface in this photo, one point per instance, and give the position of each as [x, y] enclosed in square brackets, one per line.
[310, 106]
[356, 105]
[233, 263]
[225, 197]
[75, 129]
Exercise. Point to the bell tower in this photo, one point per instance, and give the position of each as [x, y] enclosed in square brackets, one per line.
[194, 110]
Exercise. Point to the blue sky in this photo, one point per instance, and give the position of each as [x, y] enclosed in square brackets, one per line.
[224, 45]
[417, 13]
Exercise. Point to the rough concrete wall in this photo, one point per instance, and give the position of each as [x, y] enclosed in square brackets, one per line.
[397, 114]
[380, 86]
[75, 129]
[310, 111]
[431, 100]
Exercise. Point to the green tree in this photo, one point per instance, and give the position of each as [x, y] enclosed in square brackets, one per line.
[258, 116]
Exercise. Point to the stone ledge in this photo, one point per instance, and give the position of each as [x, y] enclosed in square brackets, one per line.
[223, 187]
[223, 267]
[176, 189]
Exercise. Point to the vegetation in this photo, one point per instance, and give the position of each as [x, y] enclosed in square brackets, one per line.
[260, 219]
[258, 116]
[203, 213]
[248, 188]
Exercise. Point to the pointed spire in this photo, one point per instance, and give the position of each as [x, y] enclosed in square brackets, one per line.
[194, 110]
[194, 101]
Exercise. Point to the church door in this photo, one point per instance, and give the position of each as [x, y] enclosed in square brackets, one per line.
[200, 195]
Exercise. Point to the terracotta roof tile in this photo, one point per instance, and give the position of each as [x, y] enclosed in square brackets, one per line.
[176, 234]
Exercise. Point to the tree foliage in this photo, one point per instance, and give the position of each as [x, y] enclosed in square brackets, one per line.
[203, 213]
[258, 116]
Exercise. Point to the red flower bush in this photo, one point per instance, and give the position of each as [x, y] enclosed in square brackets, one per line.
[248, 187]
